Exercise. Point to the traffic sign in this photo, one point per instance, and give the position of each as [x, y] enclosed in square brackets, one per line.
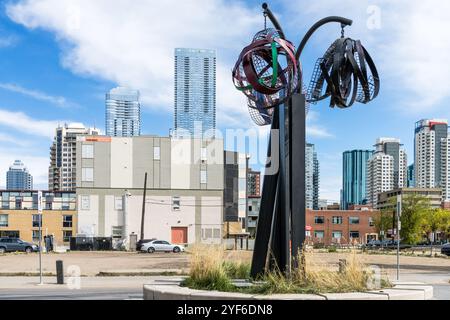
[39, 202]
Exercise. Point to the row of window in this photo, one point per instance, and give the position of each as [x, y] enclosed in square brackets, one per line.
[67, 221]
[340, 220]
[320, 234]
[66, 235]
[87, 152]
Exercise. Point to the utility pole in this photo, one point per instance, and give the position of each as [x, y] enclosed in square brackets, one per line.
[143, 207]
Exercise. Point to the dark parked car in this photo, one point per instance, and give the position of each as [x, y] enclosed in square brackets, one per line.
[140, 243]
[446, 249]
[392, 244]
[15, 245]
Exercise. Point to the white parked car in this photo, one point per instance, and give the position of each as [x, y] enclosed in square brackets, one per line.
[161, 246]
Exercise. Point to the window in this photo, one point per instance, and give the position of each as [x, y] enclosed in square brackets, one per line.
[203, 177]
[117, 232]
[87, 151]
[319, 234]
[354, 234]
[371, 222]
[67, 221]
[216, 234]
[87, 174]
[337, 220]
[337, 234]
[36, 237]
[36, 220]
[118, 203]
[3, 220]
[353, 220]
[176, 204]
[319, 220]
[85, 202]
[156, 153]
[67, 235]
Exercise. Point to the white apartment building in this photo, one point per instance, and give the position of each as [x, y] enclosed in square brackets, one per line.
[429, 137]
[445, 166]
[63, 153]
[380, 176]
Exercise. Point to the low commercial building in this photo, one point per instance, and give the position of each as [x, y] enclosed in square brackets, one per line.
[434, 195]
[19, 216]
[184, 197]
[340, 226]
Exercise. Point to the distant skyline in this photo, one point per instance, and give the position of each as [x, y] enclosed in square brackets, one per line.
[59, 57]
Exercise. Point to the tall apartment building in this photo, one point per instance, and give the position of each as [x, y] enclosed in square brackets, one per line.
[62, 171]
[393, 147]
[354, 177]
[254, 184]
[123, 113]
[235, 189]
[411, 177]
[184, 199]
[18, 178]
[445, 169]
[380, 176]
[429, 138]
[312, 178]
[386, 169]
[195, 92]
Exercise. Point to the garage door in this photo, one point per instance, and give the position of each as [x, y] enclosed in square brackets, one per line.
[179, 235]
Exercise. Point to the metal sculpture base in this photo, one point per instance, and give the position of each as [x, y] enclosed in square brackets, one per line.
[281, 224]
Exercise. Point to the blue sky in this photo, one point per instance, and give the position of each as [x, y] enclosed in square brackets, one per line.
[59, 57]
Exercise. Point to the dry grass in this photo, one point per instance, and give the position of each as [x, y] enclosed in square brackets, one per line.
[211, 271]
[211, 268]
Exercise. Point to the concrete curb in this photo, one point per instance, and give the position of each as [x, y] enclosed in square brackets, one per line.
[171, 290]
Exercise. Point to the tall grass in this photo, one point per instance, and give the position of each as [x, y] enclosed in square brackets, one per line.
[210, 269]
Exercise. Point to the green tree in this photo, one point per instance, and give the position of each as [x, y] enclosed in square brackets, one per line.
[414, 208]
[383, 222]
[437, 220]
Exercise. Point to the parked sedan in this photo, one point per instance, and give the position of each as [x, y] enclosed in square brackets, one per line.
[161, 246]
[16, 245]
[446, 249]
[140, 243]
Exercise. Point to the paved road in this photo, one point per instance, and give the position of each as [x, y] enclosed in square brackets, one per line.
[87, 294]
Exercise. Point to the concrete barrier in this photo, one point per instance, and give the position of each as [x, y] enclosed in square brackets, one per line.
[171, 290]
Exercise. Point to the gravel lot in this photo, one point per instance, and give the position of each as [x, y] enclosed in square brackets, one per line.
[91, 263]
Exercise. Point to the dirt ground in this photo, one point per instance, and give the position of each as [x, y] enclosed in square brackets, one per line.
[91, 263]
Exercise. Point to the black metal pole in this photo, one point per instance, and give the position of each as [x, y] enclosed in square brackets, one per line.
[343, 21]
[143, 207]
[298, 179]
[266, 211]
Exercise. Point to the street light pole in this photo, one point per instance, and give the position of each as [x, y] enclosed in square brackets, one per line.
[399, 212]
[41, 281]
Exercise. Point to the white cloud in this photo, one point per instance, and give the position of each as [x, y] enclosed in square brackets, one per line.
[410, 48]
[315, 130]
[38, 95]
[19, 121]
[8, 41]
[132, 42]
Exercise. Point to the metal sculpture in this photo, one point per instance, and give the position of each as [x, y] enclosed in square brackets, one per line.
[269, 73]
[349, 73]
[266, 71]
